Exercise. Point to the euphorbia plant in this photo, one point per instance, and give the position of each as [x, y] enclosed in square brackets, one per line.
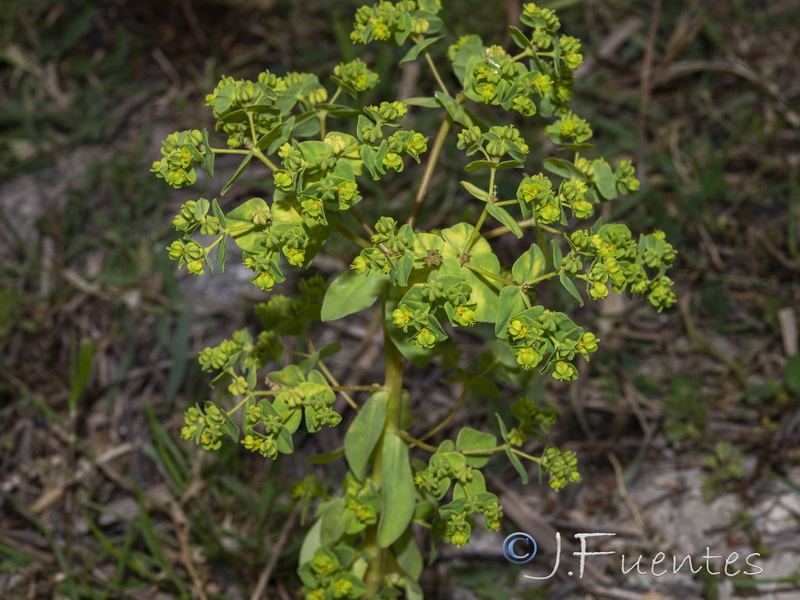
[431, 287]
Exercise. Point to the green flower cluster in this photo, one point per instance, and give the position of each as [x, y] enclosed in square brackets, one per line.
[390, 249]
[561, 466]
[193, 216]
[180, 151]
[243, 106]
[356, 76]
[330, 574]
[569, 126]
[393, 22]
[242, 351]
[495, 143]
[537, 196]
[533, 421]
[205, 427]
[537, 332]
[416, 312]
[622, 264]
[189, 253]
[456, 519]
[493, 76]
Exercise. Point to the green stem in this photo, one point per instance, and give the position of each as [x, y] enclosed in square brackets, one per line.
[542, 278]
[433, 158]
[417, 442]
[489, 274]
[523, 455]
[353, 237]
[438, 77]
[521, 55]
[477, 232]
[229, 151]
[393, 384]
[526, 223]
[265, 159]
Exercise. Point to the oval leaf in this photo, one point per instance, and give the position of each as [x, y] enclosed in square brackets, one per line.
[364, 433]
[397, 483]
[530, 265]
[349, 293]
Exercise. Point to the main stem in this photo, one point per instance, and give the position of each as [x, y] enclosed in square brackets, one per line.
[393, 384]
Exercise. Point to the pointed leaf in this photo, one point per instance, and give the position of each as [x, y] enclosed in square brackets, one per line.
[221, 248]
[570, 287]
[238, 173]
[519, 38]
[477, 192]
[564, 168]
[505, 218]
[415, 50]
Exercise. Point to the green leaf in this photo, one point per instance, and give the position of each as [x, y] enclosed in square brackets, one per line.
[339, 111]
[472, 439]
[415, 50]
[570, 287]
[424, 101]
[505, 218]
[221, 248]
[480, 164]
[397, 487]
[217, 212]
[511, 303]
[364, 433]
[558, 256]
[332, 522]
[454, 109]
[564, 168]
[208, 159]
[279, 131]
[519, 38]
[471, 48]
[408, 555]
[604, 180]
[288, 377]
[225, 98]
[484, 291]
[477, 192]
[576, 147]
[529, 266]
[238, 173]
[403, 268]
[247, 235]
[311, 542]
[368, 155]
[515, 461]
[344, 86]
[350, 293]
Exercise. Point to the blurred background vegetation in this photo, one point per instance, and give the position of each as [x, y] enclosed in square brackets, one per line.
[99, 497]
